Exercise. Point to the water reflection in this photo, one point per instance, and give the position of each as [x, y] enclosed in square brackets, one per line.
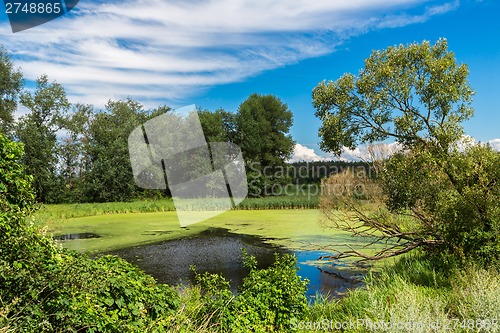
[81, 235]
[219, 251]
[326, 278]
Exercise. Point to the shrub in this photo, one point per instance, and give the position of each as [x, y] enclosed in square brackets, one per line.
[45, 288]
[268, 300]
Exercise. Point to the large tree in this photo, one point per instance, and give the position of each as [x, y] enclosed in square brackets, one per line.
[263, 124]
[11, 83]
[415, 94]
[437, 194]
[110, 177]
[37, 130]
[218, 126]
[74, 153]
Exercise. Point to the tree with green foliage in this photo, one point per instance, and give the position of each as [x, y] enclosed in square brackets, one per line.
[73, 152]
[37, 130]
[110, 175]
[218, 126]
[11, 83]
[16, 195]
[263, 124]
[438, 196]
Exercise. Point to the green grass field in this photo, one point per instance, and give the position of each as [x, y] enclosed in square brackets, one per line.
[48, 214]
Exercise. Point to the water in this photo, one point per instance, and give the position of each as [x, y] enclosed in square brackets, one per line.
[326, 278]
[83, 235]
[219, 251]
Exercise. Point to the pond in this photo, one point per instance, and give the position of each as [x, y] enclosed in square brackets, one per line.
[218, 251]
[81, 235]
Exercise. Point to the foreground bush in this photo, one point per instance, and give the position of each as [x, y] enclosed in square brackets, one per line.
[268, 300]
[45, 288]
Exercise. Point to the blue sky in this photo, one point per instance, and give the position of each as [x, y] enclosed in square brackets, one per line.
[216, 53]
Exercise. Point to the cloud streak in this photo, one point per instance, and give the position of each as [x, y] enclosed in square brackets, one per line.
[170, 50]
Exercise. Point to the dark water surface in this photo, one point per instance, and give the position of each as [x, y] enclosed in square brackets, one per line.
[82, 235]
[218, 251]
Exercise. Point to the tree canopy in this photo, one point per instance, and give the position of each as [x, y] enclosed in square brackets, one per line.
[440, 193]
[37, 130]
[11, 84]
[416, 94]
[263, 124]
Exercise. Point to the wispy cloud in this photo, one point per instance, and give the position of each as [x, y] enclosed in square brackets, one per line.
[159, 50]
[403, 19]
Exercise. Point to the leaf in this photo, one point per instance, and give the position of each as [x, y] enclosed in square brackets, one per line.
[109, 301]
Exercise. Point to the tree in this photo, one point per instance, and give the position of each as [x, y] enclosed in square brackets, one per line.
[437, 195]
[110, 175]
[419, 90]
[11, 83]
[17, 198]
[37, 130]
[73, 152]
[218, 126]
[263, 123]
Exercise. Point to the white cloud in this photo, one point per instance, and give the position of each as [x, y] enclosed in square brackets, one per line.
[395, 21]
[303, 154]
[160, 50]
[362, 153]
[495, 144]
[469, 141]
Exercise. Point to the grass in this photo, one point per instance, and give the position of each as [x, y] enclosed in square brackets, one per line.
[416, 295]
[49, 213]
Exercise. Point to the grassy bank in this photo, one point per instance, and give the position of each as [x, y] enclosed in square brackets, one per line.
[416, 295]
[53, 213]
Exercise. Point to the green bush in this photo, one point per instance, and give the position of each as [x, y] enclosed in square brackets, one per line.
[46, 288]
[268, 300]
[458, 206]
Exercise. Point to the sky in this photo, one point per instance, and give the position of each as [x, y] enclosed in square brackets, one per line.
[216, 53]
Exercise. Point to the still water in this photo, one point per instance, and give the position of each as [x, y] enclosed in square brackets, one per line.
[81, 235]
[219, 251]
